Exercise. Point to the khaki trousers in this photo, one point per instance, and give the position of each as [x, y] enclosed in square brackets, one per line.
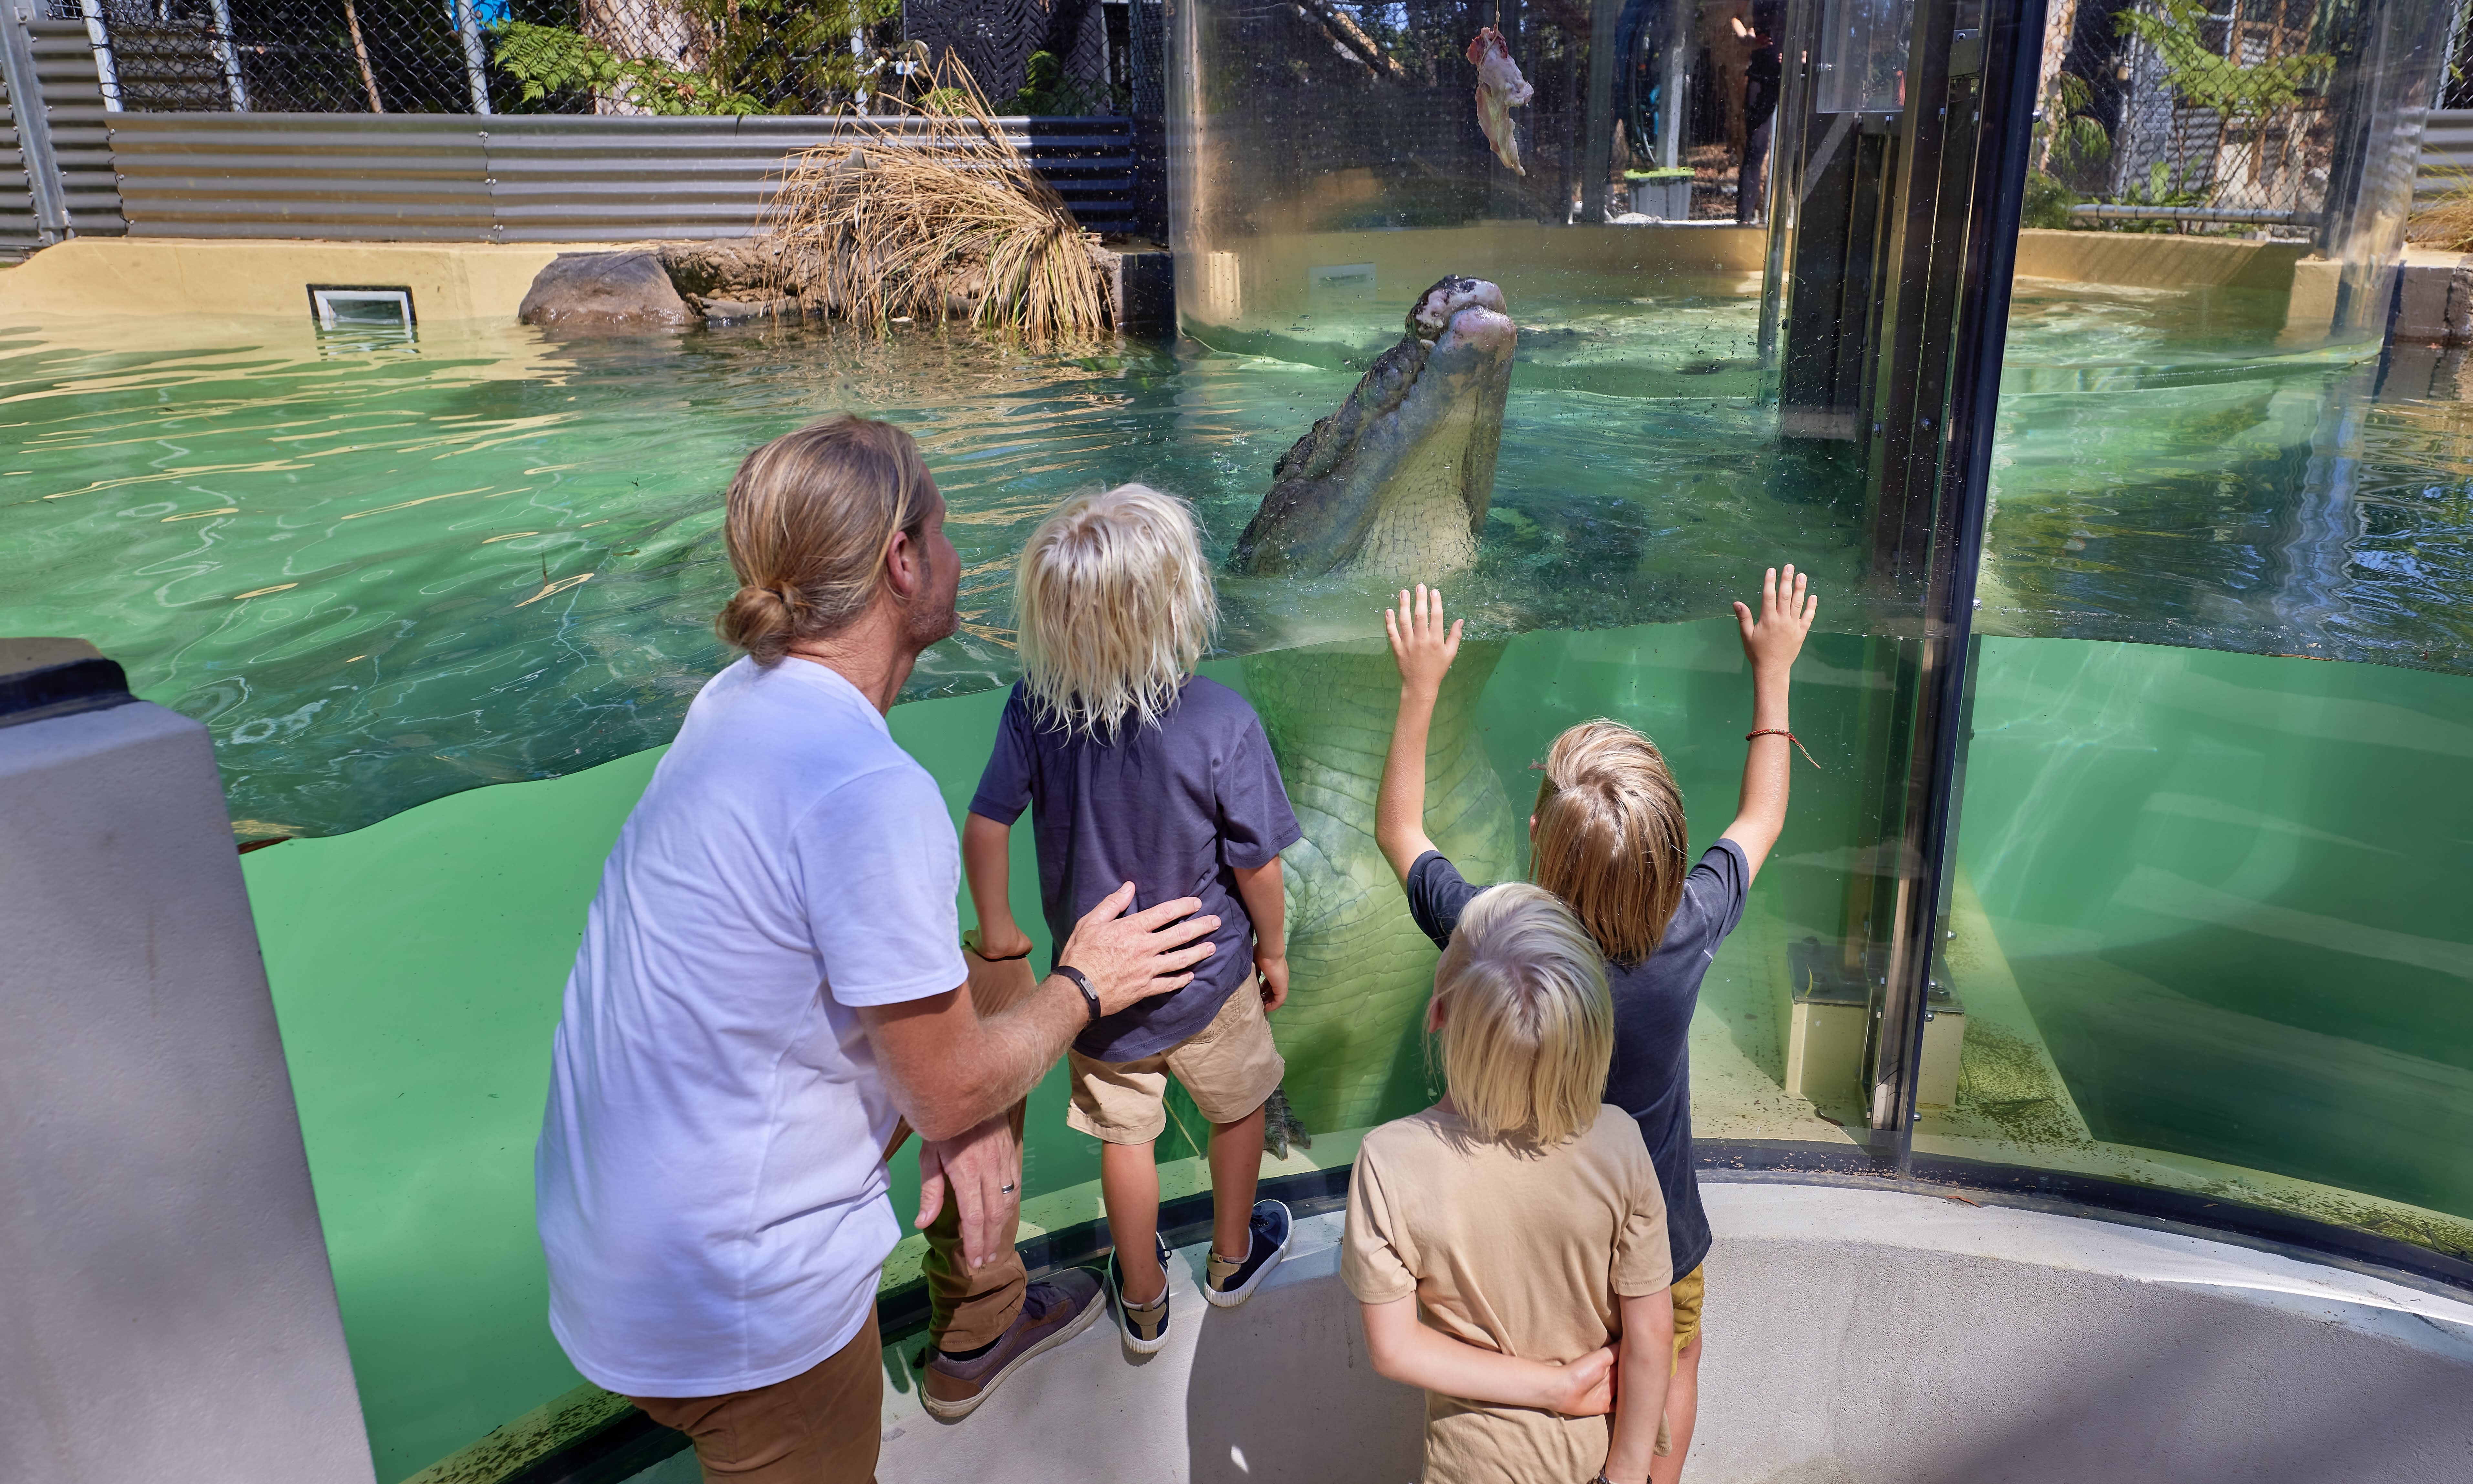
[821, 1427]
[968, 1309]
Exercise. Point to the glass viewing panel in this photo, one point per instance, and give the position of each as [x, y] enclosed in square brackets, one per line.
[2200, 923]
[1860, 65]
[2206, 919]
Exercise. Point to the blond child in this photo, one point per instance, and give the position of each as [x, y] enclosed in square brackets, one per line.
[1522, 1215]
[1609, 839]
[1136, 769]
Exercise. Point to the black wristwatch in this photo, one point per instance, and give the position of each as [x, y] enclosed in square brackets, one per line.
[1082, 982]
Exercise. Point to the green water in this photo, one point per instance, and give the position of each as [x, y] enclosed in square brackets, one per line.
[2233, 891]
[382, 577]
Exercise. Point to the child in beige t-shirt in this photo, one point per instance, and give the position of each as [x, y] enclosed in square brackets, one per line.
[1509, 1245]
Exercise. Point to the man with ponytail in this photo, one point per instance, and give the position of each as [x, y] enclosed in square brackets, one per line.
[771, 980]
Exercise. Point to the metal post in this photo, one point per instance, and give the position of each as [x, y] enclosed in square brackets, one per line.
[476, 68]
[1598, 132]
[228, 57]
[34, 121]
[1678, 54]
[2008, 52]
[106, 72]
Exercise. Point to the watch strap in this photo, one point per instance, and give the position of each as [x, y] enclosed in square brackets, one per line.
[1082, 982]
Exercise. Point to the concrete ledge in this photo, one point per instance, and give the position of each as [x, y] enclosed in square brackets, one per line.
[90, 276]
[2157, 260]
[2435, 299]
[1853, 1335]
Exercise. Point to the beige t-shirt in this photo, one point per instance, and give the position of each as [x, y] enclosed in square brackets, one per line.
[1511, 1249]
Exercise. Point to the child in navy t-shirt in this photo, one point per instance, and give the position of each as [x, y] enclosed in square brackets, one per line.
[1136, 769]
[1609, 838]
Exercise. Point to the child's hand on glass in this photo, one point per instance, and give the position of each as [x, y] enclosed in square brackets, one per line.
[1419, 640]
[1772, 640]
[1271, 968]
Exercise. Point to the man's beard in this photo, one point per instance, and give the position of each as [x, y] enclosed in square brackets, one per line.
[929, 622]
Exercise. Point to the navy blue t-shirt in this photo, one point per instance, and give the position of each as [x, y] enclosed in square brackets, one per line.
[1176, 809]
[1651, 1077]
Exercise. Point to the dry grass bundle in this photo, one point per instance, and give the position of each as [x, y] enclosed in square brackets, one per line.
[2446, 222]
[928, 212]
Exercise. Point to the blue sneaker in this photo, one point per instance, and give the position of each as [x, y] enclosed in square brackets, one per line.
[1231, 1283]
[1145, 1325]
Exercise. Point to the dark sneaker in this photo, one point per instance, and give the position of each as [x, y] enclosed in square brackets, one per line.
[1231, 1283]
[1145, 1325]
[1053, 1311]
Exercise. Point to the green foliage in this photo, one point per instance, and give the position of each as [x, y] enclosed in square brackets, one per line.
[749, 55]
[551, 59]
[2047, 202]
[2069, 135]
[2205, 79]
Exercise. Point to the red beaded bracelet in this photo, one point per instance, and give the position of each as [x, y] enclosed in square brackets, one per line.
[1781, 731]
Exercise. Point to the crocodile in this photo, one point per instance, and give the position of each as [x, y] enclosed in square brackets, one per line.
[1392, 486]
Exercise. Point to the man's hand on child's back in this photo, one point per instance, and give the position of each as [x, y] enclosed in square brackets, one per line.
[1272, 970]
[1133, 957]
[1423, 647]
[1772, 640]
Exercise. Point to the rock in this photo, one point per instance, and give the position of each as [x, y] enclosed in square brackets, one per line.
[737, 311]
[730, 279]
[732, 267]
[609, 291]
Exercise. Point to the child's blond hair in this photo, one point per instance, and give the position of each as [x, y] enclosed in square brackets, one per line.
[1610, 837]
[1114, 608]
[1528, 1029]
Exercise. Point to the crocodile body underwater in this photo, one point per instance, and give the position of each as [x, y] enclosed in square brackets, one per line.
[1394, 485]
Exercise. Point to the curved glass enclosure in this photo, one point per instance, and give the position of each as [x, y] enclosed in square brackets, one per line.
[2135, 848]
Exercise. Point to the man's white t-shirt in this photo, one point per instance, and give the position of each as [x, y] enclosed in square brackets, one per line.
[709, 1181]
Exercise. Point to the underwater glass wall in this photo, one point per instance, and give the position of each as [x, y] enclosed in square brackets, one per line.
[2136, 846]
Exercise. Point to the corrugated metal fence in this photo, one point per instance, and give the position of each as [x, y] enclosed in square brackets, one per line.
[2446, 154]
[69, 100]
[504, 178]
[521, 177]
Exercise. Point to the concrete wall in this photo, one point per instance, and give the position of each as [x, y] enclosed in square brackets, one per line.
[165, 1306]
[91, 277]
[1852, 1335]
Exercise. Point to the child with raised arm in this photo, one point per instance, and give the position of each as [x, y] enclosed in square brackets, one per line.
[1609, 839]
[1522, 1215]
[1136, 769]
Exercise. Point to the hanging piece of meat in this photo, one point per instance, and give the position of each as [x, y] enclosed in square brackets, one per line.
[1499, 89]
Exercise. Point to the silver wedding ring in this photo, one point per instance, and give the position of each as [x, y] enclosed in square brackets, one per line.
[1004, 1189]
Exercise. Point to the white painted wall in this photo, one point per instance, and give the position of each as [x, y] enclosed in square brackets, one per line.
[1852, 1336]
[166, 1312]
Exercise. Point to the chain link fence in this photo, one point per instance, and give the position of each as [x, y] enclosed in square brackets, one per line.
[1078, 57]
[2188, 115]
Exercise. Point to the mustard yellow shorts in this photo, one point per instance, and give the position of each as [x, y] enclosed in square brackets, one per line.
[1687, 1292]
[1229, 1067]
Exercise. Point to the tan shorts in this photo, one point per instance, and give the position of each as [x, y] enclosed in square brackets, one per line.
[1230, 1067]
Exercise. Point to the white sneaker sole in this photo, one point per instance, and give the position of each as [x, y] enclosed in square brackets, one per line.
[955, 1411]
[1134, 1345]
[1238, 1295]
